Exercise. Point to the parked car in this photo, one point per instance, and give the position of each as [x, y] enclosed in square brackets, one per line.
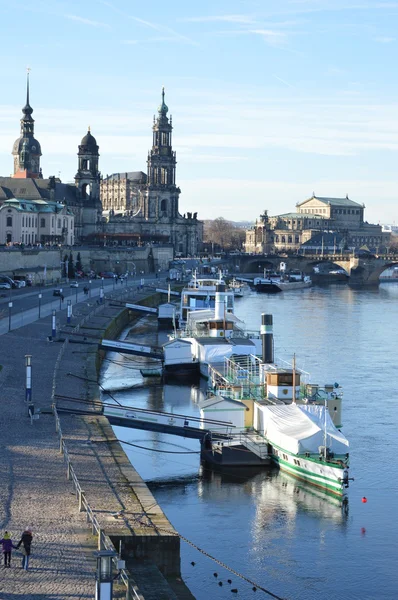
[74, 284]
[19, 283]
[4, 286]
[57, 293]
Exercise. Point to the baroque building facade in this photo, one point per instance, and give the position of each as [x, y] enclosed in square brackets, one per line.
[36, 210]
[141, 208]
[288, 232]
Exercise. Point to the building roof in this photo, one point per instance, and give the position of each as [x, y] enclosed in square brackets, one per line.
[295, 215]
[326, 238]
[34, 206]
[333, 201]
[135, 176]
[203, 404]
[38, 189]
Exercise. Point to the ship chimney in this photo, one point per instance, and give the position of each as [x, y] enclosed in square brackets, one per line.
[267, 338]
[220, 302]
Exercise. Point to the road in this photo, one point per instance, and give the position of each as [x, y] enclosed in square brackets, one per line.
[26, 304]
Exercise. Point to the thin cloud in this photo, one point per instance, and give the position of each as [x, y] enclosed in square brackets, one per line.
[86, 21]
[243, 19]
[163, 29]
[284, 81]
[384, 39]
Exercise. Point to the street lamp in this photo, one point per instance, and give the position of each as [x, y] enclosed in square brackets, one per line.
[89, 288]
[60, 298]
[40, 297]
[104, 577]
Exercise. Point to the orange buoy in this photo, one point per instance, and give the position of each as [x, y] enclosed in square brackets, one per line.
[364, 500]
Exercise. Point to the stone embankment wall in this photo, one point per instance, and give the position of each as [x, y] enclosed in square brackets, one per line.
[147, 259]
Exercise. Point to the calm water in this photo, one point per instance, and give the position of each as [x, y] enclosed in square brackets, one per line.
[268, 527]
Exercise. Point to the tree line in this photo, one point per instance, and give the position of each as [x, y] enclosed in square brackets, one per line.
[222, 235]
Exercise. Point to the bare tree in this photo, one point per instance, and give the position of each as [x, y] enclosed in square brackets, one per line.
[223, 234]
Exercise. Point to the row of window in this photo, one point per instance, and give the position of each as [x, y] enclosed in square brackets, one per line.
[32, 222]
[283, 239]
[334, 211]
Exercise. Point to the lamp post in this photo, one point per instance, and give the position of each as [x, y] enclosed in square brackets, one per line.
[77, 291]
[101, 295]
[60, 298]
[89, 288]
[40, 297]
[104, 577]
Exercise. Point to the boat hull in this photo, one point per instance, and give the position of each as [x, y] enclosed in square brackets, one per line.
[325, 476]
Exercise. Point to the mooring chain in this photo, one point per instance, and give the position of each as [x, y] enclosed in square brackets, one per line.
[219, 562]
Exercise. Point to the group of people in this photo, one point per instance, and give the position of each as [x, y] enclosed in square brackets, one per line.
[25, 542]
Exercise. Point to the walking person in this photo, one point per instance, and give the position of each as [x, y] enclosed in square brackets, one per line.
[26, 541]
[7, 546]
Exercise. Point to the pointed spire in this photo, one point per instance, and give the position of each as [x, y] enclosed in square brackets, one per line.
[27, 109]
[163, 108]
[27, 85]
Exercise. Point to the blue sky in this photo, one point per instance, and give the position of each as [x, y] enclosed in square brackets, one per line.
[271, 99]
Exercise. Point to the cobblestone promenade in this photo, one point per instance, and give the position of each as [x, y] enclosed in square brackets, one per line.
[34, 490]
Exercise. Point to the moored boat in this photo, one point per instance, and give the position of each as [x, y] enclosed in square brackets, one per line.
[299, 421]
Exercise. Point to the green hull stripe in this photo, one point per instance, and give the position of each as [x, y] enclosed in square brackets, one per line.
[318, 480]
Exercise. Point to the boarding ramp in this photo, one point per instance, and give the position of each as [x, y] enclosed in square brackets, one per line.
[130, 348]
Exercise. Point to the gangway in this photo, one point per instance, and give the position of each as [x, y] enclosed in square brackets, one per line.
[130, 348]
[187, 426]
[176, 424]
[168, 292]
[140, 307]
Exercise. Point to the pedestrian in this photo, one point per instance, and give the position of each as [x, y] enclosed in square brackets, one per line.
[7, 545]
[26, 541]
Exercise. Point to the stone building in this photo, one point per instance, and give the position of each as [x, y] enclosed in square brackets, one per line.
[141, 208]
[30, 222]
[120, 192]
[287, 232]
[27, 188]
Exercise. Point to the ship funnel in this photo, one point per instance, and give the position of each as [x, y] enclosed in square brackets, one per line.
[220, 301]
[267, 338]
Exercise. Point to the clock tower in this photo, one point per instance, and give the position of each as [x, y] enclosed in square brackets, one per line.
[162, 192]
[26, 149]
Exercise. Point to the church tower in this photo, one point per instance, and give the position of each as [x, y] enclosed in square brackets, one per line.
[162, 193]
[87, 181]
[26, 149]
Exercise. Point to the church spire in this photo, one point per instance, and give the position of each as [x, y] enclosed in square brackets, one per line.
[26, 149]
[163, 108]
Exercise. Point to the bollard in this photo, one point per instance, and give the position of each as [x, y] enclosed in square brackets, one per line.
[53, 325]
[101, 295]
[69, 311]
[28, 384]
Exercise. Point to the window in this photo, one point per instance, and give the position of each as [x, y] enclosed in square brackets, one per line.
[9, 221]
[23, 221]
[59, 223]
[42, 222]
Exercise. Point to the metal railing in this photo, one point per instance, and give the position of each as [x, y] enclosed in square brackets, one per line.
[104, 541]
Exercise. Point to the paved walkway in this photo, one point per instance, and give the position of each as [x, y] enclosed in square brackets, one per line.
[34, 491]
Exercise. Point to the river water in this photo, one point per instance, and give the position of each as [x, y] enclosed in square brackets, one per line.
[277, 532]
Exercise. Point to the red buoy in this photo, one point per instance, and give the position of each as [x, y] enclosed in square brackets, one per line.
[364, 500]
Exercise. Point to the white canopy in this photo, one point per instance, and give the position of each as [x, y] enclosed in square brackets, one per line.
[300, 428]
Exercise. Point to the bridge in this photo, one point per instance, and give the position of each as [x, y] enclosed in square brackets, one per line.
[364, 270]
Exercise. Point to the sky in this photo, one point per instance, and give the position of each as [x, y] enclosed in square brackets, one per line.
[271, 100]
